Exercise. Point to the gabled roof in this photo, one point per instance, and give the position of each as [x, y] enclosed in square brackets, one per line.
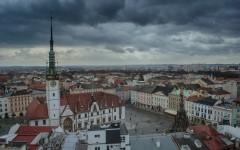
[37, 109]
[164, 90]
[147, 89]
[29, 133]
[207, 81]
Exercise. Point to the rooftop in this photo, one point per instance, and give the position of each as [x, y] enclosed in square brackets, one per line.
[207, 101]
[149, 142]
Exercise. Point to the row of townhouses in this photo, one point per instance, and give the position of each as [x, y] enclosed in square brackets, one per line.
[202, 104]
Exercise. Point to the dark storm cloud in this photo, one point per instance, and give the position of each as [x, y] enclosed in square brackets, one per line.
[26, 23]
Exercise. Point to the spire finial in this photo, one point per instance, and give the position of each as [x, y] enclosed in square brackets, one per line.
[51, 40]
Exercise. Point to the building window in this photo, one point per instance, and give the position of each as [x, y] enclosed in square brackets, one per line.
[97, 136]
[97, 148]
[123, 139]
[79, 125]
[36, 123]
[44, 122]
[114, 109]
[85, 115]
[53, 94]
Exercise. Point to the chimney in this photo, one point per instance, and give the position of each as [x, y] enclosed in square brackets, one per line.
[158, 143]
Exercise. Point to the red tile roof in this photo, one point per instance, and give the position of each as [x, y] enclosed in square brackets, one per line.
[194, 98]
[37, 109]
[4, 78]
[209, 136]
[33, 130]
[37, 86]
[82, 101]
[118, 81]
[29, 133]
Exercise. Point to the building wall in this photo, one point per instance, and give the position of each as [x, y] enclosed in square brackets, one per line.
[160, 100]
[189, 107]
[174, 102]
[232, 87]
[53, 102]
[19, 103]
[85, 119]
[220, 112]
[203, 113]
[95, 137]
[39, 122]
[110, 91]
[236, 116]
[4, 106]
[81, 90]
[145, 99]
[134, 97]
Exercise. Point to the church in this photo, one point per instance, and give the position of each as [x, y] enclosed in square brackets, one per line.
[73, 111]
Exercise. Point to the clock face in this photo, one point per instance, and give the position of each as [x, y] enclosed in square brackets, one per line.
[53, 83]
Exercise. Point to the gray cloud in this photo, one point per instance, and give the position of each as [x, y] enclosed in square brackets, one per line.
[195, 28]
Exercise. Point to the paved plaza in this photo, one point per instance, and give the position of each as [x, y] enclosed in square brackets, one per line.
[139, 121]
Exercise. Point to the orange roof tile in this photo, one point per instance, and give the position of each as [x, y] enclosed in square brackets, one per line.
[84, 100]
[209, 136]
[37, 86]
[194, 98]
[37, 110]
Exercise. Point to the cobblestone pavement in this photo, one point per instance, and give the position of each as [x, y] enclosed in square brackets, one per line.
[139, 121]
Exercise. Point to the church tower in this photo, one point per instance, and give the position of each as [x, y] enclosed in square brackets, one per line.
[52, 87]
[181, 119]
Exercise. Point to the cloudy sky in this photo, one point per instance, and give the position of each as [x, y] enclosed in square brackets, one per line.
[112, 32]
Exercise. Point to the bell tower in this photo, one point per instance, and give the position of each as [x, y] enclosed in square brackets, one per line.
[52, 87]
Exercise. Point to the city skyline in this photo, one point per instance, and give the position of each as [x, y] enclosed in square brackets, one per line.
[120, 32]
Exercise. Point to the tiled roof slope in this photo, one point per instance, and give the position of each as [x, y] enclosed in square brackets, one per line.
[81, 102]
[37, 109]
[207, 81]
[207, 101]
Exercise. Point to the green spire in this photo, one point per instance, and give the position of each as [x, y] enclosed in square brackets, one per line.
[51, 72]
